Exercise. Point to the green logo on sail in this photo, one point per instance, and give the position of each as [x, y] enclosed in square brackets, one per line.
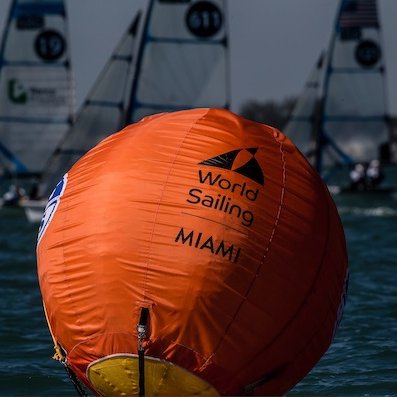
[17, 92]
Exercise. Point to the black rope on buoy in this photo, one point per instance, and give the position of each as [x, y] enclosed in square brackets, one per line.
[141, 362]
[72, 376]
[142, 334]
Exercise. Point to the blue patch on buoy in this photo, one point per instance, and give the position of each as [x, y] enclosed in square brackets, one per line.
[52, 206]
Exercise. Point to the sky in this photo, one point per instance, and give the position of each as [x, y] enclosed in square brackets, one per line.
[273, 43]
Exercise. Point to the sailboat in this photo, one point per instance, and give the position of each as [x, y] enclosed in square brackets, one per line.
[341, 117]
[36, 86]
[173, 56]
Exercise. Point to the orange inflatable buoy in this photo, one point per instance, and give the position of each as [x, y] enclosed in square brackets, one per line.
[193, 252]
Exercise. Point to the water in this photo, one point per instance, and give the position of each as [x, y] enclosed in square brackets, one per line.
[363, 358]
[362, 361]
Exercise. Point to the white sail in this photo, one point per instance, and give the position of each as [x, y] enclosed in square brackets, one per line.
[36, 87]
[350, 119]
[183, 58]
[102, 113]
[303, 122]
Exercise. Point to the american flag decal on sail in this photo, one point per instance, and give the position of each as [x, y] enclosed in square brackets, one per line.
[358, 14]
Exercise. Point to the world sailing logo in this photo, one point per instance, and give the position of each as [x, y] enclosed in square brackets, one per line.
[52, 205]
[232, 198]
[250, 168]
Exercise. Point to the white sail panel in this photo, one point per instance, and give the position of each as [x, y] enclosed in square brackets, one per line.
[346, 52]
[36, 87]
[102, 114]
[42, 41]
[358, 94]
[183, 58]
[356, 138]
[20, 137]
[74, 146]
[299, 131]
[301, 127]
[171, 76]
[112, 85]
[42, 93]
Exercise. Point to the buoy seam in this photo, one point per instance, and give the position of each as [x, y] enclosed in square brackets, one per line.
[278, 216]
[161, 199]
[130, 335]
[276, 221]
[305, 299]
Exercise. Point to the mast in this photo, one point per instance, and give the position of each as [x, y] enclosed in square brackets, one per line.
[321, 139]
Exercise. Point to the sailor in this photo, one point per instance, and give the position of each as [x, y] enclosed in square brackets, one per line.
[14, 194]
[34, 190]
[374, 174]
[357, 177]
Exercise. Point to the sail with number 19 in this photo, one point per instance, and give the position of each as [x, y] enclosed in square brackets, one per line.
[36, 85]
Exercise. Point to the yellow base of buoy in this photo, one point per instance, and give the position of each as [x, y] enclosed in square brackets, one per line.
[118, 375]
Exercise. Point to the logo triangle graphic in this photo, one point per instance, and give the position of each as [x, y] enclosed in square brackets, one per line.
[223, 160]
[251, 169]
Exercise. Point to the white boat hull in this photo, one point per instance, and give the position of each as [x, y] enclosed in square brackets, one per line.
[34, 209]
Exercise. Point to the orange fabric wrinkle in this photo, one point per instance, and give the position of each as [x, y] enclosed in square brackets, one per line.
[220, 227]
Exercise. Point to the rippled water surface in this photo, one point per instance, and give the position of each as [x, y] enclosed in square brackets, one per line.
[362, 361]
[363, 358]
